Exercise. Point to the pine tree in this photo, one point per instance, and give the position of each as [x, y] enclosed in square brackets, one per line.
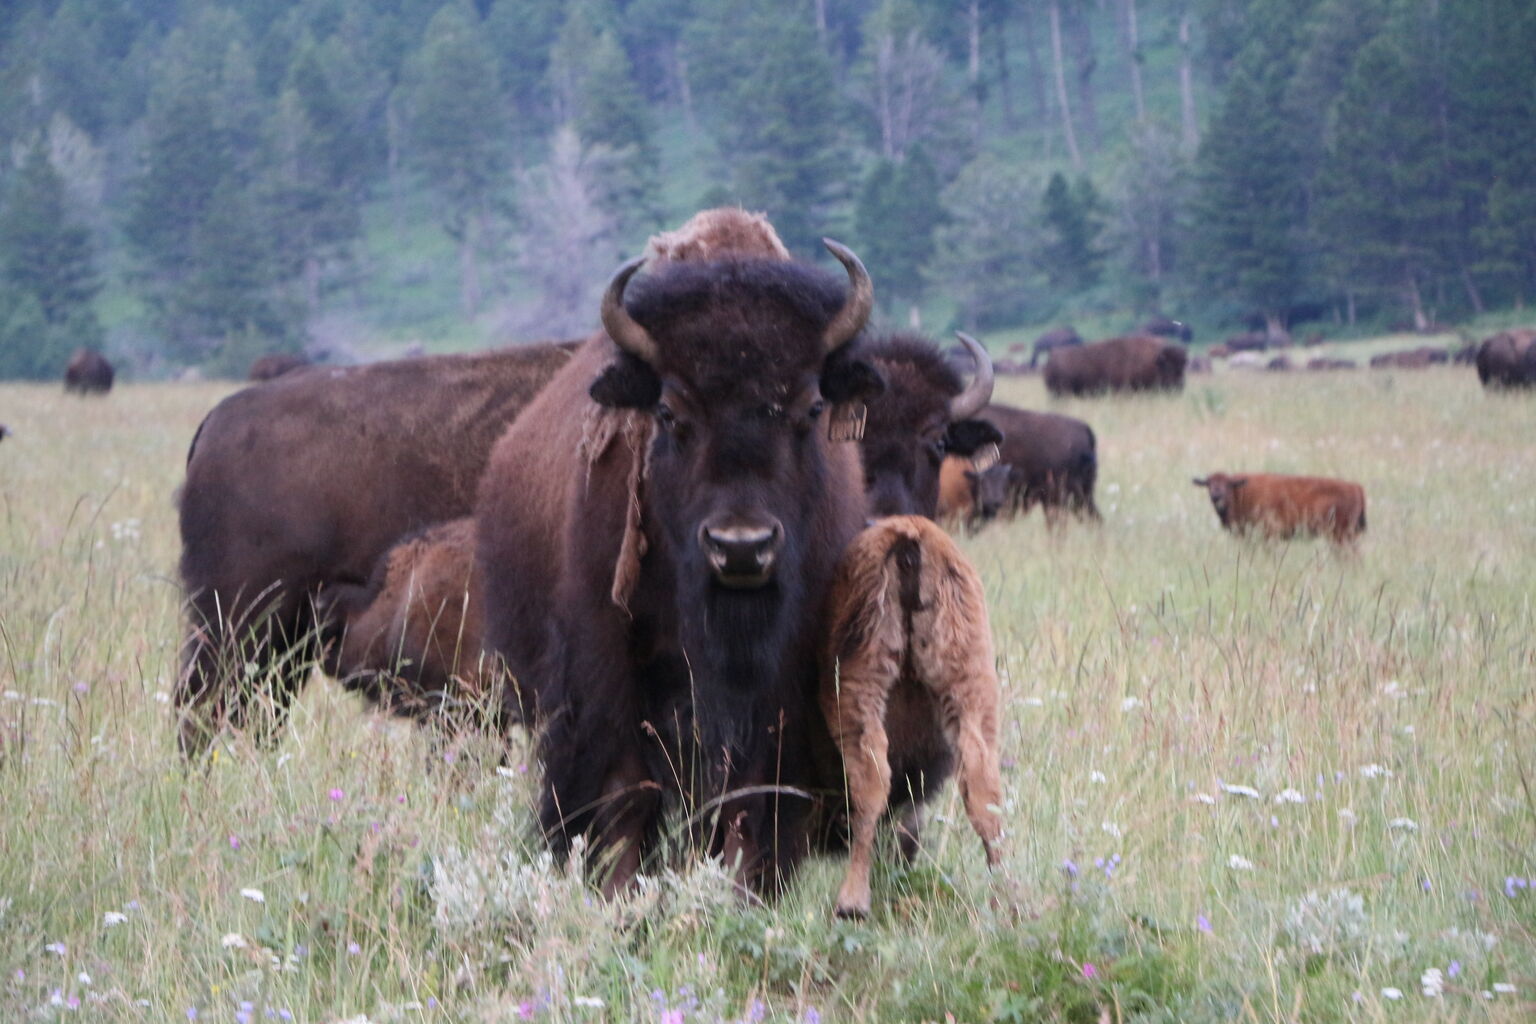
[1071, 218]
[895, 217]
[985, 249]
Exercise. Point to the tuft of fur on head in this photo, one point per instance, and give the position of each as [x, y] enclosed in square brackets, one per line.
[719, 233]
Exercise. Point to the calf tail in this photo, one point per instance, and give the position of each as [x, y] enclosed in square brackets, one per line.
[908, 555]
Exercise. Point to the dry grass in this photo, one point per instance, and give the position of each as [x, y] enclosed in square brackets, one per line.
[1380, 704]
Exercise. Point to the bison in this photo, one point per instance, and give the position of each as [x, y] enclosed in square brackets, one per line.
[1327, 363]
[1508, 360]
[1280, 507]
[1133, 363]
[276, 364]
[1165, 327]
[304, 482]
[410, 636]
[1053, 339]
[88, 373]
[656, 534]
[1052, 461]
[971, 496]
[908, 687]
[923, 414]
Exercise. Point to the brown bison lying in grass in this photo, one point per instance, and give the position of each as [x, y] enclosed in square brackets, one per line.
[1281, 507]
[908, 685]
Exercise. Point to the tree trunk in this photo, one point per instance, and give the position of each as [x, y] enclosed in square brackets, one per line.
[1187, 87]
[1416, 304]
[684, 87]
[1473, 295]
[1004, 83]
[885, 61]
[915, 317]
[1274, 325]
[821, 21]
[1133, 58]
[312, 283]
[1063, 105]
[1349, 305]
[1087, 63]
[1035, 72]
[469, 266]
[973, 64]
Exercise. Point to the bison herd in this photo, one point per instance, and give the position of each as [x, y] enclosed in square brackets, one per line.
[653, 549]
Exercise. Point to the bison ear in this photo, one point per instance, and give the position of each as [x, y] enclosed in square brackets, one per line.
[847, 378]
[963, 437]
[1201, 481]
[629, 383]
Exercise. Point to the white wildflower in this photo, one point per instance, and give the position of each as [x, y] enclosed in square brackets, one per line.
[1097, 776]
[1289, 796]
[161, 697]
[254, 895]
[1110, 828]
[1403, 825]
[233, 940]
[1375, 771]
[1235, 790]
[1033, 702]
[1130, 703]
[1203, 798]
[1237, 862]
[1347, 814]
[1504, 988]
[590, 1002]
[1391, 993]
[83, 978]
[1394, 689]
[1325, 924]
[57, 949]
[1432, 982]
[113, 917]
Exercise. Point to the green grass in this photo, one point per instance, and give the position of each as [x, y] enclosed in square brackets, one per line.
[1146, 664]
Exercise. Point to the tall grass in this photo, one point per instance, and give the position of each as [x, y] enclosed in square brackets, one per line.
[1244, 782]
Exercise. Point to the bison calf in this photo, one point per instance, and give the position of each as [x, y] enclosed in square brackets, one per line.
[908, 685]
[1281, 507]
[411, 636]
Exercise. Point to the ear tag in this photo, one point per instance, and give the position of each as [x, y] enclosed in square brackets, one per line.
[846, 422]
[986, 457]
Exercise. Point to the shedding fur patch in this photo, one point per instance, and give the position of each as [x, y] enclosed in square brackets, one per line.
[637, 430]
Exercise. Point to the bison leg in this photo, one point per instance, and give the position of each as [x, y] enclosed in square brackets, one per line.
[856, 717]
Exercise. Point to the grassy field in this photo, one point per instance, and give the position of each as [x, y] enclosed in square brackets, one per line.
[1244, 782]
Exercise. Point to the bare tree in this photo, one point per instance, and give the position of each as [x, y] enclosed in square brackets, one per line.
[1063, 104]
[1132, 33]
[1035, 70]
[1187, 85]
[973, 63]
[1148, 193]
[904, 88]
[1087, 62]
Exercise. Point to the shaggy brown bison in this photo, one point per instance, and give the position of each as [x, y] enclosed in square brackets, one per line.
[88, 373]
[276, 364]
[923, 414]
[305, 482]
[1419, 358]
[657, 531]
[1053, 339]
[1134, 363]
[909, 688]
[1052, 461]
[1278, 506]
[410, 637]
[1508, 360]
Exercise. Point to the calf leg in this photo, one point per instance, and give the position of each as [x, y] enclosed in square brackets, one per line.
[857, 721]
[971, 726]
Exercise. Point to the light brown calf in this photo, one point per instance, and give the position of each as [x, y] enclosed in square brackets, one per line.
[411, 642]
[908, 684]
[955, 500]
[1282, 507]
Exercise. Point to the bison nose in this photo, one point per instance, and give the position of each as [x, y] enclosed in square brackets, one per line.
[741, 554]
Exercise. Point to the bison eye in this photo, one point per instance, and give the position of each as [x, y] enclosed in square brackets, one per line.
[665, 416]
[816, 409]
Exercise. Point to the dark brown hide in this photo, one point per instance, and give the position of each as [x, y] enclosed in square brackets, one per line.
[1053, 339]
[1508, 360]
[306, 481]
[698, 689]
[1323, 363]
[1134, 363]
[1166, 327]
[1278, 506]
[276, 364]
[410, 640]
[88, 373]
[1052, 460]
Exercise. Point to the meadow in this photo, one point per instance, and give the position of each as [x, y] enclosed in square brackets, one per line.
[1245, 781]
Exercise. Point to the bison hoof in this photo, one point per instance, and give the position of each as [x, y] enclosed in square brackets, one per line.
[852, 912]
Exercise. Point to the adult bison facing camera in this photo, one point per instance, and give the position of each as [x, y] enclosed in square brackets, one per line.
[88, 373]
[304, 482]
[656, 536]
[1137, 362]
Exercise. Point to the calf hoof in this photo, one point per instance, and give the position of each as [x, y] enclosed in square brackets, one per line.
[852, 911]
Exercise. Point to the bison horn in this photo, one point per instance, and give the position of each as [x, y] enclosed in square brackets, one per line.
[621, 327]
[975, 397]
[849, 320]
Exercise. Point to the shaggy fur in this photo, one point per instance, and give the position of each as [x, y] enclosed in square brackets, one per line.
[1052, 462]
[1051, 340]
[88, 373]
[1508, 360]
[1282, 507]
[907, 670]
[1134, 363]
[717, 234]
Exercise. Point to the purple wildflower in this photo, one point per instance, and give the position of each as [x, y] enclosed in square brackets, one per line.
[1069, 867]
[812, 1016]
[1454, 969]
[1089, 971]
[1203, 923]
[338, 794]
[234, 842]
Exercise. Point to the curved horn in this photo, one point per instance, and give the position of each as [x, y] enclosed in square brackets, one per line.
[851, 318]
[622, 327]
[975, 397]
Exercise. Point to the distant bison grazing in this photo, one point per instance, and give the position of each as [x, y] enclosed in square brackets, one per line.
[88, 373]
[305, 482]
[657, 532]
[1135, 363]
[1164, 327]
[1508, 360]
[909, 687]
[410, 636]
[1053, 339]
[1052, 461]
[1411, 359]
[1282, 507]
[1325, 363]
[276, 364]
[923, 414]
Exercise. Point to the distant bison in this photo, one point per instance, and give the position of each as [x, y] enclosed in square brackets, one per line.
[1280, 364]
[276, 364]
[1508, 360]
[1052, 461]
[1326, 363]
[1053, 339]
[88, 373]
[410, 636]
[908, 687]
[1281, 507]
[1411, 359]
[1138, 362]
[1164, 327]
[1252, 341]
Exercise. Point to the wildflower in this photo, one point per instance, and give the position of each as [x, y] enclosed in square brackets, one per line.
[338, 794]
[1097, 777]
[1375, 771]
[254, 895]
[1203, 923]
[1239, 863]
[1110, 828]
[1391, 993]
[233, 940]
[672, 1017]
[590, 1002]
[1289, 796]
[1069, 867]
[525, 1010]
[1453, 970]
[83, 978]
[1089, 971]
[812, 1016]
[1247, 791]
[1432, 983]
[234, 842]
[1204, 798]
[113, 917]
[1504, 988]
[1403, 825]
[191, 1013]
[353, 949]
[57, 949]
[1129, 704]
[1346, 815]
